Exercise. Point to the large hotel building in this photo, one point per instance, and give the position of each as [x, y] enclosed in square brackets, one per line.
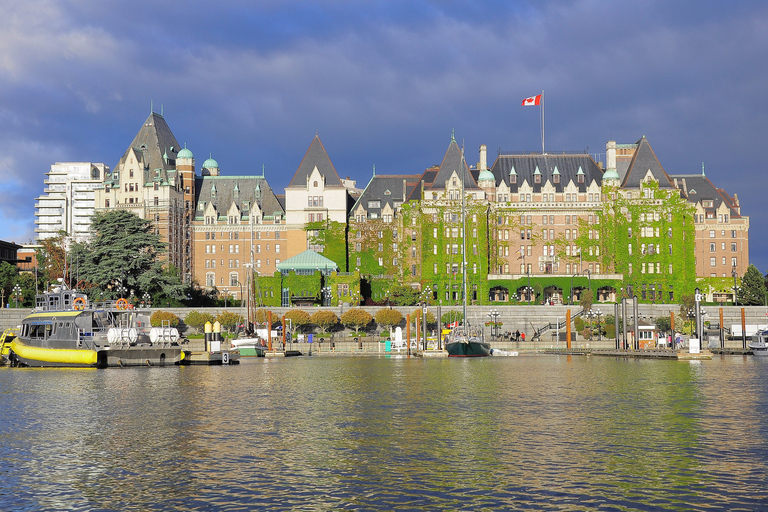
[530, 225]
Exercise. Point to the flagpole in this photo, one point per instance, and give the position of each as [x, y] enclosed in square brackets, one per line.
[542, 121]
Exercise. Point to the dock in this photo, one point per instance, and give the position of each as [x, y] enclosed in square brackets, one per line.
[195, 354]
[637, 354]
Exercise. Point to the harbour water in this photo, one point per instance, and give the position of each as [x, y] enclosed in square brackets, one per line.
[314, 433]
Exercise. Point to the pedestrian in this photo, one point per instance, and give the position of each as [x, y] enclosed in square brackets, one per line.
[522, 336]
[517, 335]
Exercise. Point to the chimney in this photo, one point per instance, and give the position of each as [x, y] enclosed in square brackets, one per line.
[483, 163]
[610, 155]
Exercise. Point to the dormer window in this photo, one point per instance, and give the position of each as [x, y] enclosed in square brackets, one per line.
[537, 178]
[314, 184]
[513, 179]
[581, 178]
[555, 178]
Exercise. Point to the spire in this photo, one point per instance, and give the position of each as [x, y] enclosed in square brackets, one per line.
[453, 135]
[702, 169]
[262, 170]
[374, 170]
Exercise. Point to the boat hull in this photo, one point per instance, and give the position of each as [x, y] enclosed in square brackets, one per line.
[759, 350]
[29, 355]
[468, 349]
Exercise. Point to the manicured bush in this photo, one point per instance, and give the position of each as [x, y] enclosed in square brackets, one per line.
[197, 320]
[157, 318]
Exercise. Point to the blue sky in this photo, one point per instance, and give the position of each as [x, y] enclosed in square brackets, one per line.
[384, 83]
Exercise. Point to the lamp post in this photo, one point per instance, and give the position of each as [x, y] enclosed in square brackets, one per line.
[571, 301]
[735, 288]
[147, 299]
[16, 293]
[226, 292]
[589, 281]
[121, 289]
[528, 292]
[494, 315]
[599, 331]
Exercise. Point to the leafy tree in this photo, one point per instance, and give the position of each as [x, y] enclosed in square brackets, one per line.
[124, 251]
[299, 319]
[664, 323]
[752, 290]
[452, 316]
[403, 295]
[586, 300]
[388, 318]
[356, 319]
[262, 315]
[431, 320]
[197, 320]
[9, 274]
[229, 321]
[158, 317]
[325, 320]
[50, 258]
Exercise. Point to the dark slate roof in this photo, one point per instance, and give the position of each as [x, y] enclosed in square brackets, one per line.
[155, 140]
[644, 160]
[316, 156]
[697, 188]
[242, 190]
[567, 165]
[453, 162]
[387, 189]
[428, 177]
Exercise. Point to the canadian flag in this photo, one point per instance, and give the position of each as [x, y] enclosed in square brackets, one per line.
[533, 100]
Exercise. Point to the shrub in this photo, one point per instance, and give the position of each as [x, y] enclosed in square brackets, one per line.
[229, 321]
[388, 318]
[157, 318]
[325, 320]
[197, 320]
[299, 319]
[356, 319]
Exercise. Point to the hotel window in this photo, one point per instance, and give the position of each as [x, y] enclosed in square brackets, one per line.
[712, 261]
[712, 247]
[712, 233]
[733, 247]
[733, 262]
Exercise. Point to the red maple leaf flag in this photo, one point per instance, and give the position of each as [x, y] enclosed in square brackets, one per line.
[533, 100]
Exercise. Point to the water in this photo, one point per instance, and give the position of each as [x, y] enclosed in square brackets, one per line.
[312, 433]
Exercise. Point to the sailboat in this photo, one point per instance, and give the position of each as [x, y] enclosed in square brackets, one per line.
[463, 342]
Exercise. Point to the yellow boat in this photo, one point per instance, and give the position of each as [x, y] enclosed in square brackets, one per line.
[67, 330]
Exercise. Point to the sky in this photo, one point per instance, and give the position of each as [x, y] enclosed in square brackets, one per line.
[383, 83]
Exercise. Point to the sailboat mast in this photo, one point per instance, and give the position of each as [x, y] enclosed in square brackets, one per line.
[463, 241]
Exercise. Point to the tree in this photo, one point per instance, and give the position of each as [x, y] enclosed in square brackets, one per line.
[664, 323]
[752, 290]
[431, 320]
[586, 300]
[158, 317]
[124, 252]
[9, 274]
[356, 319]
[299, 319]
[388, 318]
[325, 320]
[197, 320]
[452, 316]
[403, 295]
[229, 321]
[50, 258]
[262, 316]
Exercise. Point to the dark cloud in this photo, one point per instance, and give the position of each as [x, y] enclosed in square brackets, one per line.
[382, 82]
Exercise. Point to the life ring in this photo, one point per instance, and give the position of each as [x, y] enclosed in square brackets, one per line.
[79, 303]
[122, 303]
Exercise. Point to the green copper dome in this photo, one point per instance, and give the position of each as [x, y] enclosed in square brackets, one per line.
[486, 175]
[184, 153]
[210, 164]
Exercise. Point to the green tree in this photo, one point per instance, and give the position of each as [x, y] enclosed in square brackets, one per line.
[752, 290]
[9, 274]
[125, 251]
[452, 316]
[664, 323]
[403, 295]
[50, 258]
[586, 300]
[325, 320]
[431, 320]
[229, 321]
[299, 319]
[158, 317]
[388, 318]
[356, 319]
[197, 320]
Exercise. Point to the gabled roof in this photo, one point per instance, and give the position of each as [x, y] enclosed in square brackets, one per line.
[453, 162]
[428, 177]
[388, 189]
[568, 166]
[307, 260]
[316, 156]
[697, 188]
[643, 161]
[156, 142]
[241, 190]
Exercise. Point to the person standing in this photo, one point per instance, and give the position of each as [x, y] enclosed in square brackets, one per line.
[522, 336]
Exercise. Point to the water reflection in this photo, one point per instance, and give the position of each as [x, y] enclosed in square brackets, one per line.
[547, 432]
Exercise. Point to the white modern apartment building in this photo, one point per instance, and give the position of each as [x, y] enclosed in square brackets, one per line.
[67, 203]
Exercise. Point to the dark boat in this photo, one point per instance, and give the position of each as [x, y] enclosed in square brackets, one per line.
[467, 346]
[65, 329]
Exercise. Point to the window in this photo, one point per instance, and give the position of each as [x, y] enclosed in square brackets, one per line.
[712, 233]
[712, 261]
[712, 247]
[733, 246]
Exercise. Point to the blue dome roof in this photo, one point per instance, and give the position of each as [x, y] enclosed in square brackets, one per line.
[184, 153]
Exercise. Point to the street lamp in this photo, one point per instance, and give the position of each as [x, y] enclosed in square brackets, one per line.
[599, 331]
[16, 293]
[735, 288]
[226, 292]
[147, 299]
[494, 315]
[121, 289]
